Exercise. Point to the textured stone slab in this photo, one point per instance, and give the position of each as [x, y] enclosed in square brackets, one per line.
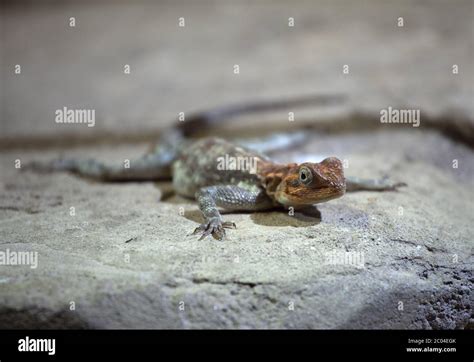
[368, 260]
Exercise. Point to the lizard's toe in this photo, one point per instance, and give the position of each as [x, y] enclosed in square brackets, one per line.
[214, 227]
[201, 228]
[229, 225]
[393, 186]
[387, 185]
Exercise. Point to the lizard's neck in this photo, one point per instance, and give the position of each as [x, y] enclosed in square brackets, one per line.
[272, 174]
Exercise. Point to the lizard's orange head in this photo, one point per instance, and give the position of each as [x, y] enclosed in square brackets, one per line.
[312, 183]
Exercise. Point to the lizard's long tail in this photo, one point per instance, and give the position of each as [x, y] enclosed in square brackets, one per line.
[156, 165]
[153, 166]
[150, 167]
[206, 119]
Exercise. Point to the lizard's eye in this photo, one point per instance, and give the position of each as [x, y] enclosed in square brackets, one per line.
[305, 175]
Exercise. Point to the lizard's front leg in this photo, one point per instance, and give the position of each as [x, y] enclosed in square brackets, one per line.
[359, 184]
[229, 197]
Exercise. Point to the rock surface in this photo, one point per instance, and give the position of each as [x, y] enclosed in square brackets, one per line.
[368, 260]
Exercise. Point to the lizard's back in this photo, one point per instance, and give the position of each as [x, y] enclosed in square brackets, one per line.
[214, 161]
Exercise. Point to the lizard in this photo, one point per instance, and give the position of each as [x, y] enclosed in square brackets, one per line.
[197, 170]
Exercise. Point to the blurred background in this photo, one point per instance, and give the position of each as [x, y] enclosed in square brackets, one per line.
[180, 69]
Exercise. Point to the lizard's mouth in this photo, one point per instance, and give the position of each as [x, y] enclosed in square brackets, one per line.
[311, 197]
[330, 193]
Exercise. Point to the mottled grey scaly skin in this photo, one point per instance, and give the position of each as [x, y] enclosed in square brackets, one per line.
[197, 166]
[196, 173]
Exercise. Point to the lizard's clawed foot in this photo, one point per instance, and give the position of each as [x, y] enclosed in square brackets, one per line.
[214, 227]
[387, 185]
[399, 184]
